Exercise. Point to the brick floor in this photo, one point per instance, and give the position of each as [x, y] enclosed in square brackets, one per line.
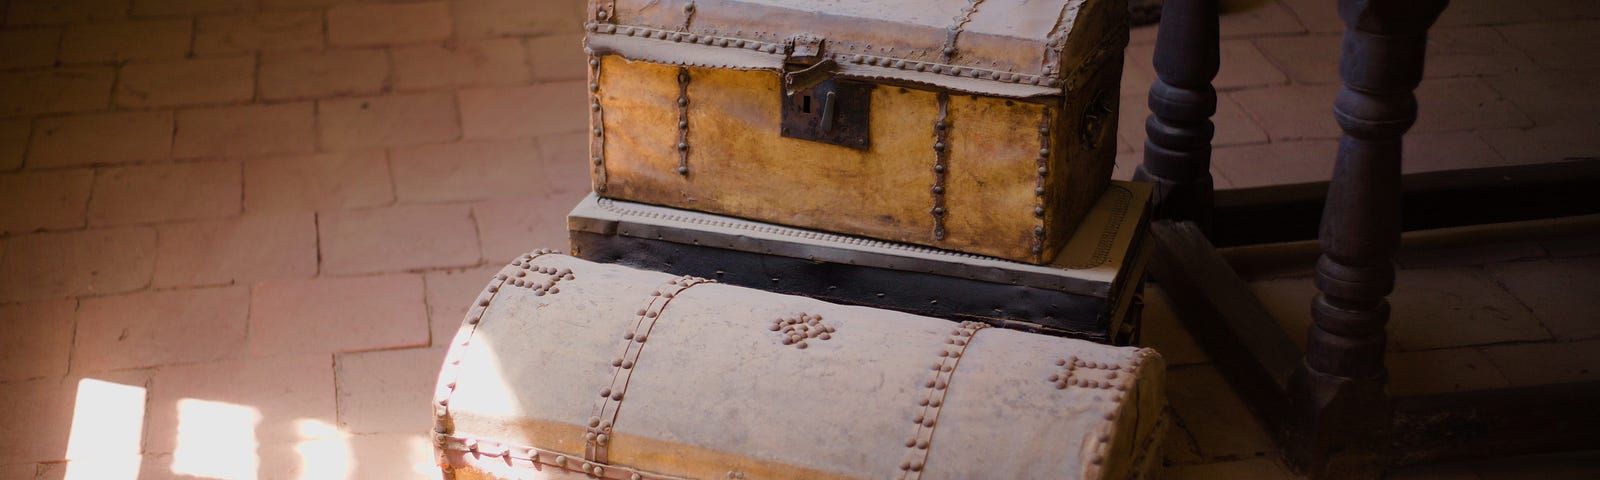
[276, 211]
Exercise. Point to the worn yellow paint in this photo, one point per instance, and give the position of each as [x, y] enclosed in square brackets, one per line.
[739, 165]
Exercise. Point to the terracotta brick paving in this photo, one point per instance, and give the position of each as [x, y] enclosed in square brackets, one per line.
[267, 216]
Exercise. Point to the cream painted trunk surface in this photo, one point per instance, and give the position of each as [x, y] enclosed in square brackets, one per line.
[569, 368]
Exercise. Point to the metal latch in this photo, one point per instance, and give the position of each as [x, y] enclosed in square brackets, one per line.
[819, 107]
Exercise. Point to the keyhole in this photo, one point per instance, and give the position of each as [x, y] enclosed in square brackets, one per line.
[805, 105]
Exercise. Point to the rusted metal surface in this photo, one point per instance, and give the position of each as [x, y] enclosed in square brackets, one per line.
[720, 393]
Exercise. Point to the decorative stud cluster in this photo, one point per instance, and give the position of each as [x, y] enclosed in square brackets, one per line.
[519, 456]
[735, 475]
[597, 437]
[451, 371]
[1043, 162]
[1076, 372]
[542, 280]
[683, 118]
[941, 164]
[928, 408]
[798, 330]
[954, 31]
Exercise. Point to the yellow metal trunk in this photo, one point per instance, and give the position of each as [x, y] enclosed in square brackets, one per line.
[994, 175]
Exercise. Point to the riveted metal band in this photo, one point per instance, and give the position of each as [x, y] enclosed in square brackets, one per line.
[954, 31]
[597, 437]
[688, 16]
[941, 163]
[488, 455]
[927, 417]
[605, 13]
[1039, 189]
[901, 62]
[597, 122]
[518, 269]
[683, 120]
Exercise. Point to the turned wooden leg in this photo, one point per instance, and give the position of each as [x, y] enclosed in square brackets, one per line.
[1177, 148]
[1338, 391]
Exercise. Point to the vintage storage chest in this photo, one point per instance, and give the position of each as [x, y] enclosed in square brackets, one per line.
[1090, 291]
[981, 126]
[569, 369]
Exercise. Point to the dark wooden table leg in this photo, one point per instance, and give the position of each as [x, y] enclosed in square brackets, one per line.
[1177, 148]
[1338, 391]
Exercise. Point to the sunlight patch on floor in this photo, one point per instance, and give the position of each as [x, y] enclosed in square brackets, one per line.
[324, 451]
[107, 423]
[216, 440]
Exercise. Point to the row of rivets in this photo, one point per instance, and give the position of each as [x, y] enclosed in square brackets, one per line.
[536, 456]
[597, 436]
[927, 417]
[597, 146]
[945, 69]
[941, 160]
[1039, 189]
[442, 424]
[683, 119]
[684, 37]
[872, 60]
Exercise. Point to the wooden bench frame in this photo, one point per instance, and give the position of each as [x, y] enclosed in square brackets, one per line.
[1328, 405]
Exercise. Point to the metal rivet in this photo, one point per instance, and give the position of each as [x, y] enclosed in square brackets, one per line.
[601, 438]
[616, 363]
[561, 460]
[938, 211]
[938, 168]
[1038, 211]
[938, 189]
[1043, 171]
[616, 396]
[949, 51]
[639, 338]
[627, 365]
[683, 146]
[605, 392]
[594, 421]
[938, 146]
